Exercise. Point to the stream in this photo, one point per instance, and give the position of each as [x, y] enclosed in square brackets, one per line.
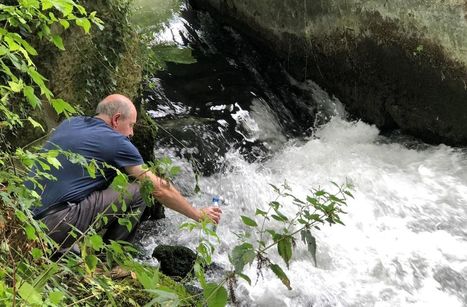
[237, 118]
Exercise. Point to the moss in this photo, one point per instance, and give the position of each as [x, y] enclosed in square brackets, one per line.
[97, 64]
[397, 70]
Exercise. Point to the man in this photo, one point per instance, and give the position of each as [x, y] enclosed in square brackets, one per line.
[74, 199]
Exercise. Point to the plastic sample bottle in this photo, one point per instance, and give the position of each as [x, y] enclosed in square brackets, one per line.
[215, 203]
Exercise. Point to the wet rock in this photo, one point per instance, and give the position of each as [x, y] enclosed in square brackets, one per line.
[175, 261]
[396, 64]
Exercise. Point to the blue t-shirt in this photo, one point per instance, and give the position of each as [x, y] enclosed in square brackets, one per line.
[93, 139]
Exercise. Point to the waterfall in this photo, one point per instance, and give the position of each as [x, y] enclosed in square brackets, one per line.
[250, 125]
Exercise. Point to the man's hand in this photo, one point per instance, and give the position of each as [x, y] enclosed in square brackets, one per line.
[214, 213]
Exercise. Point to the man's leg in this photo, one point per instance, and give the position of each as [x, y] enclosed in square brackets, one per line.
[82, 215]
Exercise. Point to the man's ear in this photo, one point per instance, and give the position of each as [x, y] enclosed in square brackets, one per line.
[114, 120]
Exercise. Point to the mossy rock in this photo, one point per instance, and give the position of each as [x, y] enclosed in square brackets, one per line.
[175, 261]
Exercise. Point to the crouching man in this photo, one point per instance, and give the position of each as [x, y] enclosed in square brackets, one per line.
[74, 199]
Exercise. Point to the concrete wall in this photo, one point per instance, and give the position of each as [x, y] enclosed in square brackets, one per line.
[395, 63]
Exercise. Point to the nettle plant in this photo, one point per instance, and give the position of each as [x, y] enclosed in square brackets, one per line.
[267, 231]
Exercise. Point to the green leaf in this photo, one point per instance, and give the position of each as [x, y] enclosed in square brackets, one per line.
[30, 232]
[36, 253]
[146, 189]
[44, 277]
[4, 50]
[61, 106]
[312, 200]
[260, 212]
[284, 247]
[215, 295]
[96, 242]
[245, 277]
[21, 216]
[28, 92]
[320, 193]
[275, 205]
[148, 278]
[248, 221]
[91, 262]
[199, 272]
[39, 80]
[125, 222]
[279, 217]
[120, 182]
[81, 9]
[30, 3]
[64, 6]
[276, 189]
[28, 47]
[12, 44]
[16, 86]
[91, 168]
[164, 297]
[242, 255]
[46, 4]
[56, 297]
[310, 241]
[30, 294]
[54, 162]
[35, 124]
[65, 24]
[280, 274]
[58, 42]
[83, 23]
[349, 194]
[116, 247]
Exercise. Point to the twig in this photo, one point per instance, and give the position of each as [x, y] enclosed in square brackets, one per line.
[14, 278]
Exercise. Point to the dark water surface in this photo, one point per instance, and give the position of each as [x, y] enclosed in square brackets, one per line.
[206, 105]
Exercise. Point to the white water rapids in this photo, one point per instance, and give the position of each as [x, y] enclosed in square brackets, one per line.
[404, 242]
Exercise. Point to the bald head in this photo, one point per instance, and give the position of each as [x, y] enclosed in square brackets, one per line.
[118, 112]
[114, 104]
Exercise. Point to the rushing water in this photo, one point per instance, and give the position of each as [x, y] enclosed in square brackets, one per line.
[404, 242]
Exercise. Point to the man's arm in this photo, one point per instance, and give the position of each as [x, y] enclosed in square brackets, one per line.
[169, 196]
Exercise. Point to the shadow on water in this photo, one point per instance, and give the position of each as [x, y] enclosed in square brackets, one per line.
[234, 97]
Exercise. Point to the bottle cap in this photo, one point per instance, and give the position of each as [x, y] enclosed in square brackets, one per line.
[215, 199]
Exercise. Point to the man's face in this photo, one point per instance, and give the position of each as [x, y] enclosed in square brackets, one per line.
[124, 125]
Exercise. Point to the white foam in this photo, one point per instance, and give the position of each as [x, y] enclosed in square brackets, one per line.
[408, 219]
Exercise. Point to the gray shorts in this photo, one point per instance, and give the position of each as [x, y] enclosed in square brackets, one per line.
[80, 216]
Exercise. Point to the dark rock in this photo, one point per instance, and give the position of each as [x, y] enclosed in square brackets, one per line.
[175, 261]
[153, 212]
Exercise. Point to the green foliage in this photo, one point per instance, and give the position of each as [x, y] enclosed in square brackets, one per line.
[28, 276]
[216, 295]
[276, 230]
[22, 85]
[164, 168]
[319, 208]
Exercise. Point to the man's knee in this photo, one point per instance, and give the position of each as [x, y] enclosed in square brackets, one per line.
[136, 199]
